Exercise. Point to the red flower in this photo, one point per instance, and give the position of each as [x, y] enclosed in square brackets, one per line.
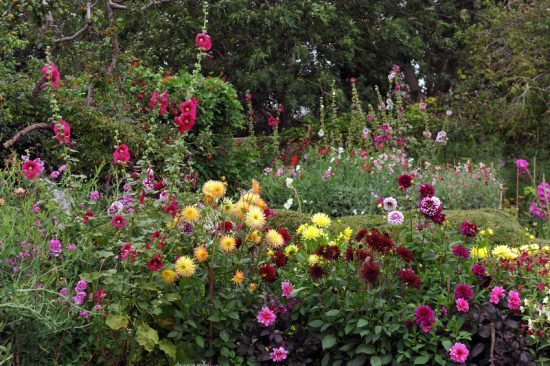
[51, 73]
[189, 107]
[328, 252]
[154, 99]
[118, 222]
[463, 291]
[87, 215]
[121, 154]
[125, 251]
[203, 41]
[404, 181]
[171, 208]
[155, 263]
[62, 132]
[409, 278]
[294, 160]
[100, 295]
[361, 235]
[316, 272]
[279, 258]
[285, 234]
[225, 226]
[370, 272]
[267, 273]
[185, 122]
[163, 102]
[405, 254]
[379, 242]
[348, 254]
[31, 169]
[426, 190]
[272, 121]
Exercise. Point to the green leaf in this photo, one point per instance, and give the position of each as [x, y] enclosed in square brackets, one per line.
[362, 322]
[200, 341]
[328, 341]
[333, 312]
[90, 277]
[224, 336]
[168, 348]
[375, 361]
[358, 361]
[377, 329]
[315, 323]
[116, 322]
[365, 348]
[446, 344]
[146, 336]
[422, 360]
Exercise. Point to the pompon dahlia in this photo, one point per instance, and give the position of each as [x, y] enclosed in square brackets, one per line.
[405, 254]
[424, 317]
[430, 207]
[426, 190]
[370, 272]
[395, 218]
[404, 181]
[267, 273]
[461, 252]
[468, 229]
[463, 291]
[316, 272]
[459, 353]
[382, 243]
[462, 305]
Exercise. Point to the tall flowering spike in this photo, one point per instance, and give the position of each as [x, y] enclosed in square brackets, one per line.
[62, 131]
[163, 102]
[185, 122]
[154, 100]
[121, 155]
[203, 41]
[51, 73]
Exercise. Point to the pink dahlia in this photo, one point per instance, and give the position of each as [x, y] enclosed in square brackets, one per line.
[203, 41]
[278, 354]
[496, 294]
[424, 317]
[62, 131]
[118, 222]
[463, 291]
[514, 301]
[459, 353]
[395, 218]
[430, 206]
[462, 305]
[287, 289]
[266, 317]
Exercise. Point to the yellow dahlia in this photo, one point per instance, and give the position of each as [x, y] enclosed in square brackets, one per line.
[249, 198]
[504, 252]
[252, 287]
[201, 254]
[477, 252]
[321, 220]
[255, 218]
[311, 232]
[254, 237]
[238, 277]
[274, 239]
[168, 276]
[240, 209]
[313, 259]
[291, 250]
[185, 266]
[190, 213]
[214, 189]
[301, 228]
[228, 243]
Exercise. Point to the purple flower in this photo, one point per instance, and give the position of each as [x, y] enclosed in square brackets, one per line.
[463, 291]
[468, 229]
[81, 286]
[287, 289]
[461, 252]
[395, 218]
[71, 247]
[84, 314]
[79, 298]
[94, 196]
[522, 164]
[441, 138]
[430, 206]
[424, 317]
[63, 291]
[55, 247]
[479, 271]
[55, 174]
[98, 307]
[543, 192]
[536, 210]
[278, 354]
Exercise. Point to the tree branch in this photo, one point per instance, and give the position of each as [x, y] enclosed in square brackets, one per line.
[86, 27]
[19, 135]
[153, 3]
[114, 40]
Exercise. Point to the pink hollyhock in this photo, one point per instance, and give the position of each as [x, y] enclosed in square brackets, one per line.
[370, 117]
[266, 317]
[31, 169]
[278, 354]
[163, 102]
[459, 353]
[62, 131]
[272, 121]
[185, 122]
[287, 288]
[514, 300]
[462, 305]
[203, 41]
[154, 99]
[118, 222]
[121, 154]
[543, 192]
[522, 166]
[51, 73]
[352, 80]
[496, 294]
[155, 263]
[125, 251]
[94, 196]
[536, 210]
[188, 107]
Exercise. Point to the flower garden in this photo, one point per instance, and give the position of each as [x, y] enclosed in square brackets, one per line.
[197, 230]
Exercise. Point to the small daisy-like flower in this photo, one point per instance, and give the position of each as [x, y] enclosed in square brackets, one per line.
[168, 276]
[228, 243]
[321, 220]
[255, 218]
[214, 189]
[185, 266]
[238, 277]
[274, 238]
[200, 253]
[190, 214]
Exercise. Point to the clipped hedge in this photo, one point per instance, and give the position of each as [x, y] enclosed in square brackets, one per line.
[507, 229]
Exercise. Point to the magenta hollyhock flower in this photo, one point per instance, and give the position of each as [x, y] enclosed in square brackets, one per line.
[266, 317]
[287, 289]
[185, 122]
[278, 354]
[118, 221]
[125, 251]
[395, 218]
[62, 130]
[163, 102]
[543, 192]
[272, 121]
[514, 301]
[462, 305]
[463, 291]
[31, 169]
[537, 211]
[94, 196]
[479, 271]
[51, 73]
[396, 69]
[203, 41]
[459, 353]
[154, 99]
[55, 247]
[370, 117]
[522, 166]
[461, 251]
[496, 294]
[468, 229]
[424, 317]
[121, 154]
[188, 107]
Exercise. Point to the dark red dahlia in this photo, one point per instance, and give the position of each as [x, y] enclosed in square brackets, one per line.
[479, 271]
[268, 273]
[348, 254]
[409, 278]
[468, 229]
[316, 272]
[225, 226]
[361, 235]
[279, 258]
[405, 254]
[463, 291]
[87, 215]
[171, 208]
[155, 263]
[285, 234]
[380, 242]
[238, 242]
[405, 181]
[426, 190]
[439, 218]
[461, 252]
[330, 252]
[370, 272]
[363, 255]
